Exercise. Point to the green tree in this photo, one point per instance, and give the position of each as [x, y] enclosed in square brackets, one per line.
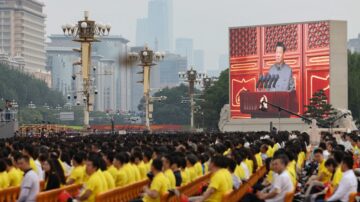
[24, 88]
[171, 110]
[215, 97]
[354, 83]
[319, 109]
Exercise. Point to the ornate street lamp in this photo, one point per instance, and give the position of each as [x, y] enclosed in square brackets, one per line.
[85, 32]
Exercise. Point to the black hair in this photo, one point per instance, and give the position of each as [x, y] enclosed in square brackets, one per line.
[282, 45]
[331, 162]
[157, 164]
[232, 165]
[283, 158]
[122, 157]
[220, 161]
[78, 158]
[348, 160]
[318, 150]
[2, 165]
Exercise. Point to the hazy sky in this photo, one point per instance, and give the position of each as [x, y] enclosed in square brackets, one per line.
[206, 21]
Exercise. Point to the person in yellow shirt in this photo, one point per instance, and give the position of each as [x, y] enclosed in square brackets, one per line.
[138, 160]
[167, 162]
[121, 178]
[220, 181]
[198, 169]
[134, 169]
[77, 174]
[185, 176]
[159, 184]
[190, 162]
[108, 157]
[110, 181]
[95, 184]
[15, 175]
[332, 182]
[323, 174]
[147, 160]
[4, 177]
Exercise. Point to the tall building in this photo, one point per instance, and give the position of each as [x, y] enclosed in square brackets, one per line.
[198, 60]
[109, 76]
[185, 48]
[354, 44]
[169, 70]
[22, 32]
[157, 28]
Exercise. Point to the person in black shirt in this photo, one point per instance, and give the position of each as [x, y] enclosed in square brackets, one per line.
[176, 169]
[54, 176]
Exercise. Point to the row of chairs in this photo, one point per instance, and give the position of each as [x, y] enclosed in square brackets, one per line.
[132, 191]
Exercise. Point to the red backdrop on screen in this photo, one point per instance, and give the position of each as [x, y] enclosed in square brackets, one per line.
[252, 52]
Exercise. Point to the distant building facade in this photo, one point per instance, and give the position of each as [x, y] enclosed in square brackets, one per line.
[354, 44]
[108, 77]
[22, 32]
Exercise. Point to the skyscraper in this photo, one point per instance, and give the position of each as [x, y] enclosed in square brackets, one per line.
[198, 60]
[185, 48]
[22, 32]
[157, 29]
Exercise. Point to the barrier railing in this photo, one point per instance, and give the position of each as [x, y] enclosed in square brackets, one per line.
[237, 195]
[122, 194]
[52, 195]
[12, 193]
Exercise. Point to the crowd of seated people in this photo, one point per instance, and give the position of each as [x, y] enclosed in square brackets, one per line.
[104, 162]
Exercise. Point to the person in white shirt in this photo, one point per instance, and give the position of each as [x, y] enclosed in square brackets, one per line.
[348, 183]
[30, 185]
[282, 183]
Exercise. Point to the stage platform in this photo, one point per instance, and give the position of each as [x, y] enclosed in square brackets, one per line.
[263, 124]
[226, 124]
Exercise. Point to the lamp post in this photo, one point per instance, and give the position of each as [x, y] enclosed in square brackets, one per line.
[146, 57]
[192, 77]
[85, 32]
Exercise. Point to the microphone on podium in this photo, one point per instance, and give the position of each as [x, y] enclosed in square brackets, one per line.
[276, 79]
[260, 81]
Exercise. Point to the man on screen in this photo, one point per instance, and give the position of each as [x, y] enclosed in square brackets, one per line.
[285, 81]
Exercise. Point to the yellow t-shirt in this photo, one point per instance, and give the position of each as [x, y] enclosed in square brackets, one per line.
[185, 177]
[250, 165]
[78, 174]
[240, 172]
[4, 180]
[129, 173]
[112, 170]
[121, 178]
[192, 173]
[103, 179]
[147, 166]
[228, 151]
[142, 169]
[259, 160]
[206, 167]
[198, 169]
[292, 171]
[337, 177]
[15, 177]
[221, 182]
[270, 152]
[325, 172]
[95, 185]
[269, 177]
[171, 177]
[136, 172]
[300, 160]
[161, 184]
[33, 165]
[109, 180]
